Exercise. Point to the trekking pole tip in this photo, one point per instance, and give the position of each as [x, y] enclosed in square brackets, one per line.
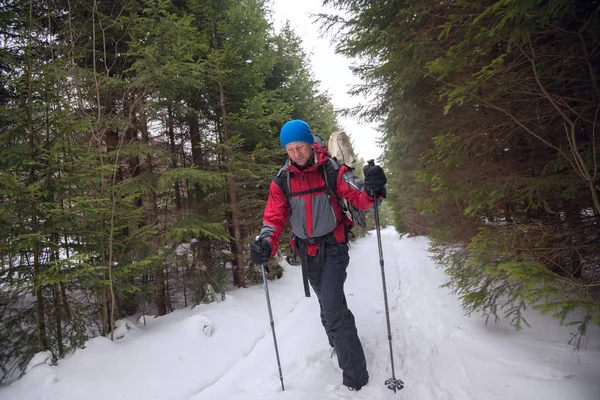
[394, 384]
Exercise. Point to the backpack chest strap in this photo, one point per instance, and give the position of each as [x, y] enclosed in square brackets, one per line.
[309, 191]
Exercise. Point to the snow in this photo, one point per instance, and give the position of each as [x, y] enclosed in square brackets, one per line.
[224, 350]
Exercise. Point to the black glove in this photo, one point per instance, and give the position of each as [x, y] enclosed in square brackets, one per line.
[260, 250]
[375, 180]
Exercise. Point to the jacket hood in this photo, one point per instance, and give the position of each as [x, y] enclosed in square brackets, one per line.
[321, 158]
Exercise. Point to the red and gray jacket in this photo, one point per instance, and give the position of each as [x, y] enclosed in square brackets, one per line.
[311, 211]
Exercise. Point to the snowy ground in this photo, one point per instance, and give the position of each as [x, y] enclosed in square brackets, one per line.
[439, 353]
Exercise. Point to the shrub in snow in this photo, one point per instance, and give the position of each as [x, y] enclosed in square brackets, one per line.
[276, 270]
[122, 326]
[205, 293]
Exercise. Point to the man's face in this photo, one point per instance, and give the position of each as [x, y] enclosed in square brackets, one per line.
[299, 152]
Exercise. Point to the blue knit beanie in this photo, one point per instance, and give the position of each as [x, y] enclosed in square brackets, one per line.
[296, 131]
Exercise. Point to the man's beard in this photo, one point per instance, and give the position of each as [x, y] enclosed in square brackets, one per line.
[310, 162]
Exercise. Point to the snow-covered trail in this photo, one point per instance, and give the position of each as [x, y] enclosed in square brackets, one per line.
[439, 353]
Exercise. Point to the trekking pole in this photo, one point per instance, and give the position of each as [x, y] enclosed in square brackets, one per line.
[264, 276]
[391, 383]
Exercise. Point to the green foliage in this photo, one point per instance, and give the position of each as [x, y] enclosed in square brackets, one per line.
[138, 142]
[490, 279]
[488, 114]
[204, 179]
[193, 227]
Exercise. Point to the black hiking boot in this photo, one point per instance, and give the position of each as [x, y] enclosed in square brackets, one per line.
[354, 388]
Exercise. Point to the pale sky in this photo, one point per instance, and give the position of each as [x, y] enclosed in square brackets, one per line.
[331, 69]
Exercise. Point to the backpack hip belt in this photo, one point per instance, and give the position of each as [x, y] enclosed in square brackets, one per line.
[301, 247]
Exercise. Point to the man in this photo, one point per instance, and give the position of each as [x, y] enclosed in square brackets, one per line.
[320, 231]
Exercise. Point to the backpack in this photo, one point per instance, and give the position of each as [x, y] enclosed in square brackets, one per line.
[342, 154]
[340, 149]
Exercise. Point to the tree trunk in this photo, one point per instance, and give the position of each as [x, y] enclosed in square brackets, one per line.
[195, 136]
[65, 303]
[57, 320]
[173, 154]
[143, 125]
[168, 305]
[161, 307]
[195, 140]
[104, 298]
[40, 314]
[159, 286]
[232, 198]
[184, 284]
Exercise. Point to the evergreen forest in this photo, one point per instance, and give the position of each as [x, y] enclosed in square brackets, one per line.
[490, 116]
[138, 139]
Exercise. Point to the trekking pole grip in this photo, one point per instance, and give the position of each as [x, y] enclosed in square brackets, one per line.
[371, 163]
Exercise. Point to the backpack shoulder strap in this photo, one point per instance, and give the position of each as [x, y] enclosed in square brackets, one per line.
[330, 172]
[282, 171]
[283, 181]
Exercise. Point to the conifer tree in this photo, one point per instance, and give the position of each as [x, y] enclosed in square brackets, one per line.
[130, 131]
[489, 119]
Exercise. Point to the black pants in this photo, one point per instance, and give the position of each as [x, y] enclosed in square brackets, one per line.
[327, 281]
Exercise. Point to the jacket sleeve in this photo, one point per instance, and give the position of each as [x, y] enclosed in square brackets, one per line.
[275, 216]
[350, 187]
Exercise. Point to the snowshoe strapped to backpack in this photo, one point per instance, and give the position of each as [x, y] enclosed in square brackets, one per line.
[340, 149]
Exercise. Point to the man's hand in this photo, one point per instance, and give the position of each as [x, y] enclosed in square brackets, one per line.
[375, 180]
[260, 250]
